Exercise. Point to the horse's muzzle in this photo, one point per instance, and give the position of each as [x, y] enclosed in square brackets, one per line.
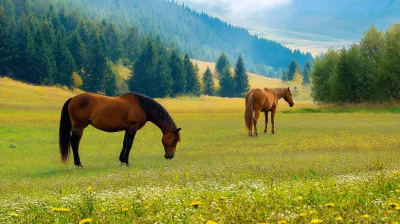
[168, 156]
[291, 104]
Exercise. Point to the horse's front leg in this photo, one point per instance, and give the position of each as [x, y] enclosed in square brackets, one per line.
[266, 121]
[127, 145]
[255, 119]
[273, 120]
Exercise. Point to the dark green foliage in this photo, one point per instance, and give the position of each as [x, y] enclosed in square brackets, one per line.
[241, 78]
[293, 68]
[192, 80]
[227, 83]
[307, 73]
[208, 83]
[64, 61]
[6, 45]
[177, 73]
[221, 63]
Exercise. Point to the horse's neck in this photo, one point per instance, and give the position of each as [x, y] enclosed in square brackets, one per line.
[165, 127]
[279, 93]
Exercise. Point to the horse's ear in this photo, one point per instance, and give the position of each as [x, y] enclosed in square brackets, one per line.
[177, 130]
[288, 89]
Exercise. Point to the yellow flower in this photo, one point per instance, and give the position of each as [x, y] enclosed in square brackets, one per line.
[146, 207]
[303, 214]
[14, 214]
[219, 209]
[366, 216]
[395, 172]
[339, 219]
[397, 190]
[299, 198]
[211, 222]
[125, 209]
[282, 222]
[329, 205]
[87, 220]
[89, 188]
[392, 204]
[60, 209]
[103, 209]
[395, 222]
[195, 203]
[397, 208]
[275, 189]
[315, 221]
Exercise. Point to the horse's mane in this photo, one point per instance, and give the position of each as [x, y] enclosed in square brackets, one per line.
[277, 91]
[156, 113]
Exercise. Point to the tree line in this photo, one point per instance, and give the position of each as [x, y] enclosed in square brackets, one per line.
[201, 36]
[367, 71]
[49, 47]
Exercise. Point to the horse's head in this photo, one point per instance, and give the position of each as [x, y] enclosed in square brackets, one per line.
[288, 97]
[169, 140]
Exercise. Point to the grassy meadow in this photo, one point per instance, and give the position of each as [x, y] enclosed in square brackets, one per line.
[326, 167]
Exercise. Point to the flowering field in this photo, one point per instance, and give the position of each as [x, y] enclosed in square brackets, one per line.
[317, 168]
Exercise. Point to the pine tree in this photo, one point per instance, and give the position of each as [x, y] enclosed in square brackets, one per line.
[6, 53]
[163, 75]
[113, 40]
[293, 68]
[64, 61]
[93, 79]
[177, 73]
[307, 73]
[221, 63]
[227, 83]
[78, 50]
[208, 83]
[192, 80]
[241, 78]
[110, 79]
[143, 79]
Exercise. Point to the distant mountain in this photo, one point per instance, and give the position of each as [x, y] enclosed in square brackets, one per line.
[311, 25]
[202, 36]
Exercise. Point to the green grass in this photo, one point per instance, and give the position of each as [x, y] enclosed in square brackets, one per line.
[342, 110]
[347, 159]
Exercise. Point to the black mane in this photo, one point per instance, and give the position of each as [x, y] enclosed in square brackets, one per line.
[156, 113]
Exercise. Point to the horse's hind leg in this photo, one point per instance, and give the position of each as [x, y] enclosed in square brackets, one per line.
[255, 119]
[75, 139]
[127, 145]
[273, 120]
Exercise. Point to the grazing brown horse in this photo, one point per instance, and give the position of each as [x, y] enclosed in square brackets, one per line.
[128, 112]
[264, 101]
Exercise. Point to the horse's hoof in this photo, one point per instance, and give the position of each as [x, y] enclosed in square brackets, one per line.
[79, 166]
[256, 135]
[265, 131]
[125, 164]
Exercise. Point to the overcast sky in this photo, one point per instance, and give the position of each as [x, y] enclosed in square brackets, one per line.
[309, 25]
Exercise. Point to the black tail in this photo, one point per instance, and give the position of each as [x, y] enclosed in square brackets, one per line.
[65, 132]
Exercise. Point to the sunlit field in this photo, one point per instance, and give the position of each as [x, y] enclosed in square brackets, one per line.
[317, 168]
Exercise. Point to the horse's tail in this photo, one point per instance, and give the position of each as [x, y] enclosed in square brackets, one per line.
[248, 113]
[65, 132]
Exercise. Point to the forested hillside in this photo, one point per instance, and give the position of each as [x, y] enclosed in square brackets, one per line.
[200, 35]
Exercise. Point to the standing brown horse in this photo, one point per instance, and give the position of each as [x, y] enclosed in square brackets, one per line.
[128, 112]
[264, 101]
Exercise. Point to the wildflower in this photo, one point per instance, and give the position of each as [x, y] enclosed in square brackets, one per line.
[103, 209]
[282, 222]
[275, 189]
[89, 188]
[146, 207]
[315, 221]
[397, 190]
[211, 222]
[329, 205]
[299, 198]
[14, 214]
[219, 209]
[366, 216]
[303, 214]
[125, 209]
[60, 209]
[339, 218]
[395, 172]
[395, 222]
[397, 208]
[87, 220]
[388, 212]
[392, 204]
[195, 203]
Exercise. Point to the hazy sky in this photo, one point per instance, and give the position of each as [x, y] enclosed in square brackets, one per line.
[309, 25]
